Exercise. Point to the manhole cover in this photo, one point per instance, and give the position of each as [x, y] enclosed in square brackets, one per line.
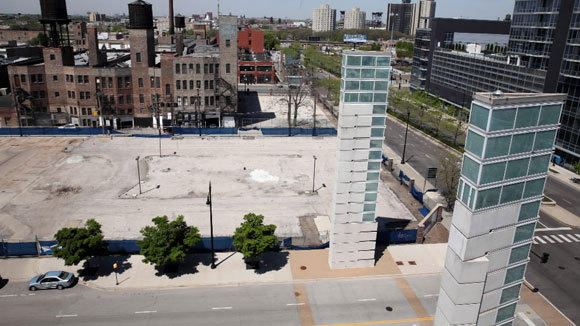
[302, 267]
[389, 308]
[561, 267]
[412, 262]
[399, 263]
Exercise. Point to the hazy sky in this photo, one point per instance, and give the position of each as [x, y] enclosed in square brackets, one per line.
[482, 9]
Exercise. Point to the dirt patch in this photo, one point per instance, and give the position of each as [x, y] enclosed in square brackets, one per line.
[65, 190]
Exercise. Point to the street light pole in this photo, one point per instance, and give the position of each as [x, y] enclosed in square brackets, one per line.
[313, 173]
[209, 202]
[139, 175]
[405, 144]
[197, 106]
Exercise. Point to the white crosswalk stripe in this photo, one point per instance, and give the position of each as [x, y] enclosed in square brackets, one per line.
[556, 238]
[539, 239]
[549, 239]
[565, 239]
[571, 236]
[534, 241]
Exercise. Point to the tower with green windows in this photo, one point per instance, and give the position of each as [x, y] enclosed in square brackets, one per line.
[509, 143]
[361, 128]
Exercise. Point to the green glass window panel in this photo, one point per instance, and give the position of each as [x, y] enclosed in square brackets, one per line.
[374, 176]
[492, 172]
[505, 313]
[382, 73]
[487, 198]
[465, 196]
[343, 72]
[377, 132]
[342, 84]
[376, 144]
[379, 109]
[511, 193]
[368, 217]
[372, 187]
[368, 61]
[353, 60]
[472, 199]
[502, 119]
[367, 73]
[351, 97]
[514, 274]
[470, 169]
[375, 155]
[374, 166]
[381, 86]
[550, 114]
[524, 232]
[534, 188]
[539, 164]
[366, 85]
[474, 143]
[352, 85]
[352, 73]
[383, 61]
[529, 210]
[459, 188]
[510, 294]
[378, 121]
[380, 98]
[497, 146]
[527, 117]
[365, 97]
[371, 196]
[369, 207]
[516, 168]
[544, 139]
[479, 116]
[519, 253]
[522, 143]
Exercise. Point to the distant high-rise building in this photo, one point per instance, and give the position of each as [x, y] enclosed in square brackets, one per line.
[354, 19]
[323, 19]
[96, 17]
[406, 17]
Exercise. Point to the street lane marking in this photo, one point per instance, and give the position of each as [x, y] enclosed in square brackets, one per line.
[221, 308]
[556, 238]
[539, 239]
[382, 322]
[66, 316]
[431, 295]
[549, 240]
[534, 241]
[146, 312]
[296, 304]
[8, 295]
[565, 239]
[564, 228]
[574, 237]
[365, 300]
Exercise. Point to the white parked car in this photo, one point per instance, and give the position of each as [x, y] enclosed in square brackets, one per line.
[69, 126]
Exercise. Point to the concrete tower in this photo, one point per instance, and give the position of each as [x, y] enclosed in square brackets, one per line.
[361, 129]
[508, 147]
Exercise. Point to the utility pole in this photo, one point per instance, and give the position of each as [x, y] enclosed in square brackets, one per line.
[313, 173]
[99, 94]
[17, 106]
[209, 202]
[405, 144]
[139, 174]
[197, 109]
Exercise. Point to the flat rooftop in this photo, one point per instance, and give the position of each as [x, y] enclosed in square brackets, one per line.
[500, 98]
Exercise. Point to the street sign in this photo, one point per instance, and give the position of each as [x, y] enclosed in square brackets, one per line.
[355, 38]
[432, 173]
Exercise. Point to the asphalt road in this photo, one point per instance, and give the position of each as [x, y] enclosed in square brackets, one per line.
[329, 302]
[566, 196]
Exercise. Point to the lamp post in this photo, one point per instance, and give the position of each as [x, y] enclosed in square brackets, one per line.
[138, 175]
[209, 203]
[405, 144]
[313, 173]
[197, 109]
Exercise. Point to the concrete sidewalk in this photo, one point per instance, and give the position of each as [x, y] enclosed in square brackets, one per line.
[564, 175]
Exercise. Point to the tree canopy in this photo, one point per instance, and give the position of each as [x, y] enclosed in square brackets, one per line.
[167, 243]
[252, 238]
[40, 39]
[77, 244]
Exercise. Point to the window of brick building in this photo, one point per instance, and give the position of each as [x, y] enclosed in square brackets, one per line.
[79, 79]
[205, 68]
[127, 81]
[227, 68]
[23, 78]
[141, 98]
[73, 94]
[85, 79]
[33, 78]
[81, 95]
[198, 84]
[211, 100]
[191, 68]
[227, 43]
[157, 82]
[110, 82]
[56, 94]
[177, 68]
[184, 68]
[58, 110]
[54, 77]
[211, 68]
[128, 99]
[211, 84]
[138, 57]
[167, 89]
[52, 57]
[42, 94]
[197, 68]
[120, 99]
[191, 84]
[177, 84]
[89, 111]
[119, 82]
[184, 84]
[206, 101]
[152, 81]
[84, 111]
[140, 82]
[88, 95]
[205, 84]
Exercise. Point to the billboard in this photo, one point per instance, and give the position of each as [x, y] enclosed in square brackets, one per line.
[354, 38]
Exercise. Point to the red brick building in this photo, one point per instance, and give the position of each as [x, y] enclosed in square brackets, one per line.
[256, 68]
[251, 40]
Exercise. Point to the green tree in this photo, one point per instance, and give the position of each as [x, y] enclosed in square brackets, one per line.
[252, 238]
[271, 42]
[577, 167]
[404, 49]
[77, 244]
[40, 39]
[167, 243]
[448, 177]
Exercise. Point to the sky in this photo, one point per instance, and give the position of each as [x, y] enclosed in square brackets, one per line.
[299, 9]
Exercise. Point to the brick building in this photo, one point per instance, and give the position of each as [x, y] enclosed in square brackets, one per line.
[191, 84]
[251, 40]
[18, 36]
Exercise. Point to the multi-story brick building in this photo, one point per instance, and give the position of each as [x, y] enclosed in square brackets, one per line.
[192, 84]
[18, 36]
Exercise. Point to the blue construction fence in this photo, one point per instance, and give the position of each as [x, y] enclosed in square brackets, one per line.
[298, 132]
[395, 236]
[39, 131]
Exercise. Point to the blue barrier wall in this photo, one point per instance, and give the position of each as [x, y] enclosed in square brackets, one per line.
[19, 249]
[297, 132]
[205, 131]
[37, 131]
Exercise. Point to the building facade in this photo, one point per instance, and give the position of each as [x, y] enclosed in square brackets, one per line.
[509, 143]
[361, 129]
[407, 17]
[354, 19]
[323, 19]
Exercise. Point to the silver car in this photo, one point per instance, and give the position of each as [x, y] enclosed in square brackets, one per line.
[52, 280]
